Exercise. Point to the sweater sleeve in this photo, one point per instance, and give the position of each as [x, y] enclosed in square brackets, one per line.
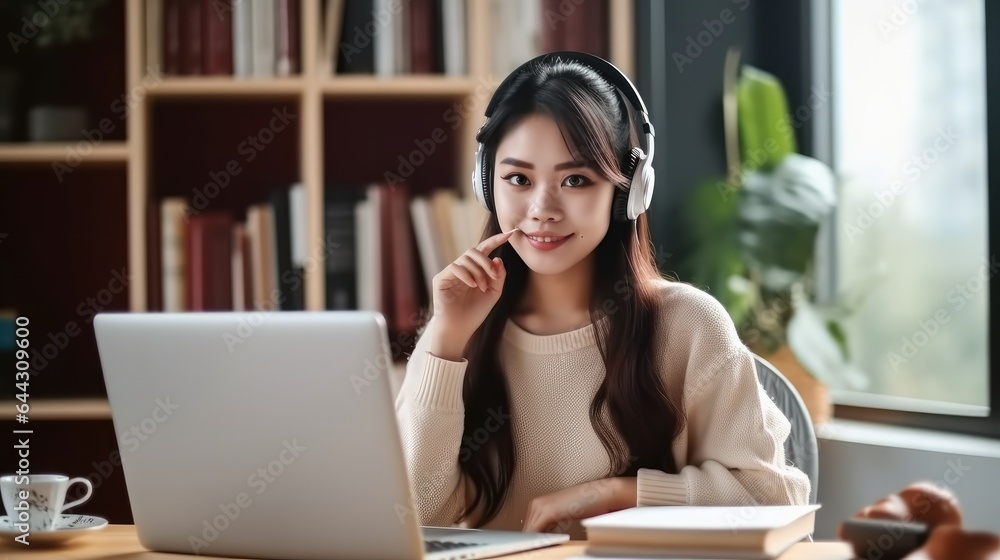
[431, 416]
[736, 453]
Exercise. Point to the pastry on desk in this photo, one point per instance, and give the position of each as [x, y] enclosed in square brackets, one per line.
[922, 522]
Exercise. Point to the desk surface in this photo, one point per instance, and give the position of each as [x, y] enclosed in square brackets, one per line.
[119, 542]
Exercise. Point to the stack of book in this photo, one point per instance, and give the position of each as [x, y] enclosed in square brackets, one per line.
[747, 532]
[207, 261]
[384, 247]
[258, 38]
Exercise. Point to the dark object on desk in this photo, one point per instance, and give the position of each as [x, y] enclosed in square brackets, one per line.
[883, 538]
[896, 518]
[921, 502]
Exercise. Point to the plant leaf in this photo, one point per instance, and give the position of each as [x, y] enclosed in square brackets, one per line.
[818, 350]
[780, 212]
[838, 334]
[766, 134]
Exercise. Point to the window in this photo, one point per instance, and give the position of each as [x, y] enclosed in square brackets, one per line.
[907, 139]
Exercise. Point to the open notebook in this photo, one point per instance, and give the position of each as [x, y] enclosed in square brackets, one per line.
[750, 532]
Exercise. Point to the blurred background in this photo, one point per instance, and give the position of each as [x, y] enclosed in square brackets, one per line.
[823, 170]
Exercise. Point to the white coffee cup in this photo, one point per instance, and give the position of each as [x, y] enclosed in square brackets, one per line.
[35, 502]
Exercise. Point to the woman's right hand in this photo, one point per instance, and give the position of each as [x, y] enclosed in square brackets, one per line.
[465, 293]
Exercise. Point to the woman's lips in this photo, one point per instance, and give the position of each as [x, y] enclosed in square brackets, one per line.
[541, 245]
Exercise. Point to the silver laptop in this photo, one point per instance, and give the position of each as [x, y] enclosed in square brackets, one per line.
[269, 435]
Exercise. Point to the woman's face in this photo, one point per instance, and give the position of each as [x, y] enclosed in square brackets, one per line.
[539, 188]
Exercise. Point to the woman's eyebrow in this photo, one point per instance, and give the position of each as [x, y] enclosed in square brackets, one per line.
[559, 166]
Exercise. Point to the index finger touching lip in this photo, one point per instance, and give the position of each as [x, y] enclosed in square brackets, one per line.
[488, 245]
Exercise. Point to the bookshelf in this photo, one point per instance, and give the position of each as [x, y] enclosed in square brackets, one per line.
[118, 177]
[310, 89]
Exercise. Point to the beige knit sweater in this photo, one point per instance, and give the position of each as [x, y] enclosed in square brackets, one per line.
[730, 452]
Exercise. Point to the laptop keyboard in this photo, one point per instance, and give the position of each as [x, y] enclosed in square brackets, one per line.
[438, 546]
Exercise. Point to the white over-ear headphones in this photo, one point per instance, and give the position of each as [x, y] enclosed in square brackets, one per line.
[626, 206]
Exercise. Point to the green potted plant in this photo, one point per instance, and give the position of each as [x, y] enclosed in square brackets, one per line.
[755, 235]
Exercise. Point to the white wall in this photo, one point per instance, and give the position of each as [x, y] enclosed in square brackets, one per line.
[859, 463]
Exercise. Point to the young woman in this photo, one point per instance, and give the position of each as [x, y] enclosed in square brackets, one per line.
[561, 376]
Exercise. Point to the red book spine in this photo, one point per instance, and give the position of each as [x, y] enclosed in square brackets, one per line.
[172, 37]
[194, 245]
[574, 28]
[596, 26]
[386, 253]
[553, 24]
[404, 271]
[421, 37]
[190, 37]
[288, 37]
[217, 37]
[208, 256]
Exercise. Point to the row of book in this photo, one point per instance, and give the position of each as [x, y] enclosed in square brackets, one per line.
[377, 37]
[384, 247]
[388, 37]
[524, 29]
[209, 261]
[258, 38]
[380, 251]
[392, 37]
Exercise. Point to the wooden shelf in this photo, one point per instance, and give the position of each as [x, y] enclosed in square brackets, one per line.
[227, 86]
[397, 86]
[338, 86]
[60, 409]
[47, 152]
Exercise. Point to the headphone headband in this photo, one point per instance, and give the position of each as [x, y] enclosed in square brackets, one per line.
[608, 71]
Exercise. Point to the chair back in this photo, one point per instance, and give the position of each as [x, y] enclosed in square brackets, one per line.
[800, 447]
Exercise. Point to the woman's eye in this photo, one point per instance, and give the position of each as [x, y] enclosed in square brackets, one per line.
[577, 181]
[516, 179]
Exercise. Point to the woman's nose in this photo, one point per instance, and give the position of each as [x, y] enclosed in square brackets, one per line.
[544, 205]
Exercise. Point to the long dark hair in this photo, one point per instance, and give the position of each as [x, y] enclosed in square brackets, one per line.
[631, 413]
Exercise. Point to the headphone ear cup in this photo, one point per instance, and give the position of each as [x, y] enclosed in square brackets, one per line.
[486, 182]
[619, 206]
[481, 179]
[634, 157]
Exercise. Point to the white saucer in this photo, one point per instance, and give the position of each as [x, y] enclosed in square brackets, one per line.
[70, 527]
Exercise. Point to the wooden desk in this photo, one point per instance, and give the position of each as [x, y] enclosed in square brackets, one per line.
[119, 542]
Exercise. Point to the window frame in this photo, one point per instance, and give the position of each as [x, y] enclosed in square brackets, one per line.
[819, 23]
